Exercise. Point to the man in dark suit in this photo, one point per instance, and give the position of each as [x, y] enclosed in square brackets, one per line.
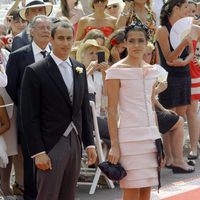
[56, 117]
[17, 62]
[27, 13]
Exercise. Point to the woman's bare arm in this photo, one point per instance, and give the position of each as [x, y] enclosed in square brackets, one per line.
[113, 99]
[4, 119]
[162, 38]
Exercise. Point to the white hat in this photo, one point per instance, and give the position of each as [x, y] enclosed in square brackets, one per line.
[91, 43]
[35, 4]
[111, 2]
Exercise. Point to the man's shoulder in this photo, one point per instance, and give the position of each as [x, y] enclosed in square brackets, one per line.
[21, 50]
[41, 64]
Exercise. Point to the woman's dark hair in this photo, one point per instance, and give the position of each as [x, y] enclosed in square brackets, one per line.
[137, 26]
[65, 7]
[167, 8]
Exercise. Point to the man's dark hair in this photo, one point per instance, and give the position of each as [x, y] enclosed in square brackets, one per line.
[63, 24]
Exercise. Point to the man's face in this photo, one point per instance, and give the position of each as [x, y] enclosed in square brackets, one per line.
[62, 42]
[41, 32]
[32, 12]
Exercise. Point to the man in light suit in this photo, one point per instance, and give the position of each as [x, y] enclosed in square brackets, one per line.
[40, 32]
[56, 117]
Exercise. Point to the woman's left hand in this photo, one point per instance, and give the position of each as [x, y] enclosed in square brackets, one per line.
[114, 155]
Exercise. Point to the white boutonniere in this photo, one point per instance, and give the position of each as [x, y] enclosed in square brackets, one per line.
[79, 70]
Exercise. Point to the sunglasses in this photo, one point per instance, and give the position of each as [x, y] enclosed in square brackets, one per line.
[112, 6]
[97, 1]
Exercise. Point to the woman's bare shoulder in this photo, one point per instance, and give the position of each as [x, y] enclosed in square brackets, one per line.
[120, 64]
[161, 31]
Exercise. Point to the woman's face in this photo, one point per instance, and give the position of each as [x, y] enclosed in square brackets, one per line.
[89, 55]
[192, 10]
[113, 9]
[136, 43]
[17, 25]
[183, 10]
[121, 47]
[100, 4]
[148, 55]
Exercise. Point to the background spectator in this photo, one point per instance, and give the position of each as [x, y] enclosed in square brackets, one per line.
[114, 7]
[175, 61]
[97, 20]
[116, 46]
[71, 10]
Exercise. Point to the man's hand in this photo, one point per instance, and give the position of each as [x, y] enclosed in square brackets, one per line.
[92, 155]
[43, 162]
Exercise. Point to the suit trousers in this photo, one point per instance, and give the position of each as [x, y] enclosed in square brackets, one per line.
[60, 182]
[30, 191]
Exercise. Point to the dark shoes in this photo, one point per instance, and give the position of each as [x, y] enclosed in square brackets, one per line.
[179, 170]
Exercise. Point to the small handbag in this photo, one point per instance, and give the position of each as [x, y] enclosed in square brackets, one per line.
[160, 157]
[113, 172]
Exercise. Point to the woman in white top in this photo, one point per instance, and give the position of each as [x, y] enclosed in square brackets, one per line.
[87, 54]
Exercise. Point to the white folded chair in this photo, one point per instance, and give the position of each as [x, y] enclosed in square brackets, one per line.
[96, 173]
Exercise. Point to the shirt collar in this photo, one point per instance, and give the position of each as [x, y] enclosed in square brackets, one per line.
[58, 61]
[37, 49]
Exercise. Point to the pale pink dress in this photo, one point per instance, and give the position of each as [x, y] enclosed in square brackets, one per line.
[137, 129]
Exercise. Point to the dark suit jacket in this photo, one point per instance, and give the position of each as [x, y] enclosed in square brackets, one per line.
[46, 108]
[17, 62]
[21, 40]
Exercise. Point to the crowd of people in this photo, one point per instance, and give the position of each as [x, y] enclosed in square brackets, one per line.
[56, 56]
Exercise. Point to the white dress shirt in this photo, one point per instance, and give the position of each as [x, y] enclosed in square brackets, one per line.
[36, 51]
[65, 68]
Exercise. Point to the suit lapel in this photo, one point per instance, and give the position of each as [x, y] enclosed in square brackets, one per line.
[54, 73]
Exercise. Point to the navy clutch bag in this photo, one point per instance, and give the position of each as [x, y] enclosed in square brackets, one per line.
[113, 172]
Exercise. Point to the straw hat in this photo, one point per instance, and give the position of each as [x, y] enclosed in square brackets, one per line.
[35, 4]
[91, 43]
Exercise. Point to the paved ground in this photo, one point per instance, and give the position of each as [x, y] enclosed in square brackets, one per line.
[167, 178]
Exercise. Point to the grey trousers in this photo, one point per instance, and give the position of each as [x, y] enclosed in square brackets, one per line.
[60, 182]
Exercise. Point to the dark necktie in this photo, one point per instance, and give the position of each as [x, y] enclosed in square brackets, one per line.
[43, 53]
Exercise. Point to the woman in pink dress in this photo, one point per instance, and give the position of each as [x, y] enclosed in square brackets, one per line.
[130, 87]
